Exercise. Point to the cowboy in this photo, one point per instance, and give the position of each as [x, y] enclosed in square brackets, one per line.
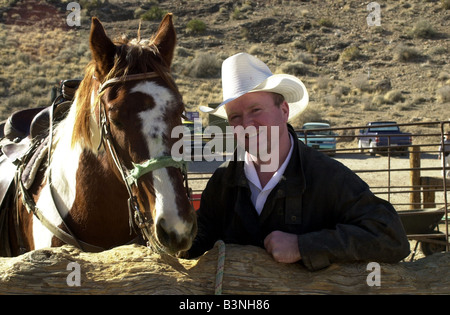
[310, 208]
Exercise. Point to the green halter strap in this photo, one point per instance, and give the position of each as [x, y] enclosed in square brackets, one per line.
[151, 165]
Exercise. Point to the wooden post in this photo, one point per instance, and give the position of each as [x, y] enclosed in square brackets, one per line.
[429, 196]
[429, 187]
[414, 164]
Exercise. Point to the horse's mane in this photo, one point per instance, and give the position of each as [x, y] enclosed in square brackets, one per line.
[132, 57]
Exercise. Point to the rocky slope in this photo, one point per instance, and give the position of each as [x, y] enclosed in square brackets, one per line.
[354, 71]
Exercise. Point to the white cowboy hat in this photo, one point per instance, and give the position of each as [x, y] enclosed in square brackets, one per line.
[242, 73]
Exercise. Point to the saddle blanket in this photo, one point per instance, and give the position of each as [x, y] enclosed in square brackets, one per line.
[11, 156]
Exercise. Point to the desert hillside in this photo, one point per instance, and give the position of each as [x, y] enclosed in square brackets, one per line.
[355, 71]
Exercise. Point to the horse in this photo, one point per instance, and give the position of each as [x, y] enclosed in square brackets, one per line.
[109, 179]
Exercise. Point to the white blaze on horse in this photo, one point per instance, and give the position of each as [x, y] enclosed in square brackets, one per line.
[110, 177]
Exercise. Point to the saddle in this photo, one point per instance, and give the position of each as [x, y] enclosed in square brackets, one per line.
[35, 121]
[24, 142]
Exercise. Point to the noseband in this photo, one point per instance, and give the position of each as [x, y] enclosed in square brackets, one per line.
[130, 177]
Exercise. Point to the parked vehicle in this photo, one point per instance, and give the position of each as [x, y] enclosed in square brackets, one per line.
[316, 135]
[195, 142]
[383, 137]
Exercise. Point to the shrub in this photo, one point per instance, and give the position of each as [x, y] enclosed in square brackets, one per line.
[90, 5]
[325, 22]
[311, 47]
[378, 100]
[183, 52]
[154, 14]
[20, 101]
[305, 58]
[393, 96]
[196, 26]
[361, 83]
[237, 14]
[255, 50]
[423, 29]
[438, 50]
[444, 76]
[310, 114]
[350, 53]
[340, 90]
[322, 83]
[368, 105]
[445, 4]
[294, 68]
[443, 94]
[405, 54]
[38, 82]
[205, 65]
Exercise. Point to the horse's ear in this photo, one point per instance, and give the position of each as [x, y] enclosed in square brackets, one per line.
[103, 49]
[166, 38]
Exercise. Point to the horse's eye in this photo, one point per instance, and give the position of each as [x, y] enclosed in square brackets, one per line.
[113, 114]
[117, 123]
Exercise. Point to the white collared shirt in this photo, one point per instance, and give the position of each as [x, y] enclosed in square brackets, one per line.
[259, 194]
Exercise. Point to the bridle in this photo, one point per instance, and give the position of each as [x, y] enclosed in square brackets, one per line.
[130, 177]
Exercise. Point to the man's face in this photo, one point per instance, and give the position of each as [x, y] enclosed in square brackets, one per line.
[258, 115]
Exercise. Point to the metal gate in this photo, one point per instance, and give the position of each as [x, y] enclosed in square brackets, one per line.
[411, 177]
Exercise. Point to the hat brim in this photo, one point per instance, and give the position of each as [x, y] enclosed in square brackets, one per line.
[292, 89]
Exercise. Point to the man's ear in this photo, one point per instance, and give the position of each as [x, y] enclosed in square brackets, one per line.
[285, 109]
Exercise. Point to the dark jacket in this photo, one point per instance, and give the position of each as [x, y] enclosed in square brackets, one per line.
[333, 212]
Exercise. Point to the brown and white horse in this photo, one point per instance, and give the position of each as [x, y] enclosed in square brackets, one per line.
[110, 159]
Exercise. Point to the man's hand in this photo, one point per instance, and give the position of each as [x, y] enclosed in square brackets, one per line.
[282, 246]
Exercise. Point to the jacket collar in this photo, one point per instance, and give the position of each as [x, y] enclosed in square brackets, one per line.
[292, 182]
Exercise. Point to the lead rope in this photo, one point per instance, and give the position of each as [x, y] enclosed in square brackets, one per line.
[220, 267]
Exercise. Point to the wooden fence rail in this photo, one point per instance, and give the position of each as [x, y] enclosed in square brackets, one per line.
[248, 270]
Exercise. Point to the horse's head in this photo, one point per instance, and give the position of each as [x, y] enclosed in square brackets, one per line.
[134, 105]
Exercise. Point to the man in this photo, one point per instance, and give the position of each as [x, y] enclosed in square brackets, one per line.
[309, 208]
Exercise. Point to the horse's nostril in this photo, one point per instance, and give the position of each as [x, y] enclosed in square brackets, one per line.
[162, 233]
[169, 239]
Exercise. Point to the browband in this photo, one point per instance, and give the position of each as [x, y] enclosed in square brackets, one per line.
[129, 77]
